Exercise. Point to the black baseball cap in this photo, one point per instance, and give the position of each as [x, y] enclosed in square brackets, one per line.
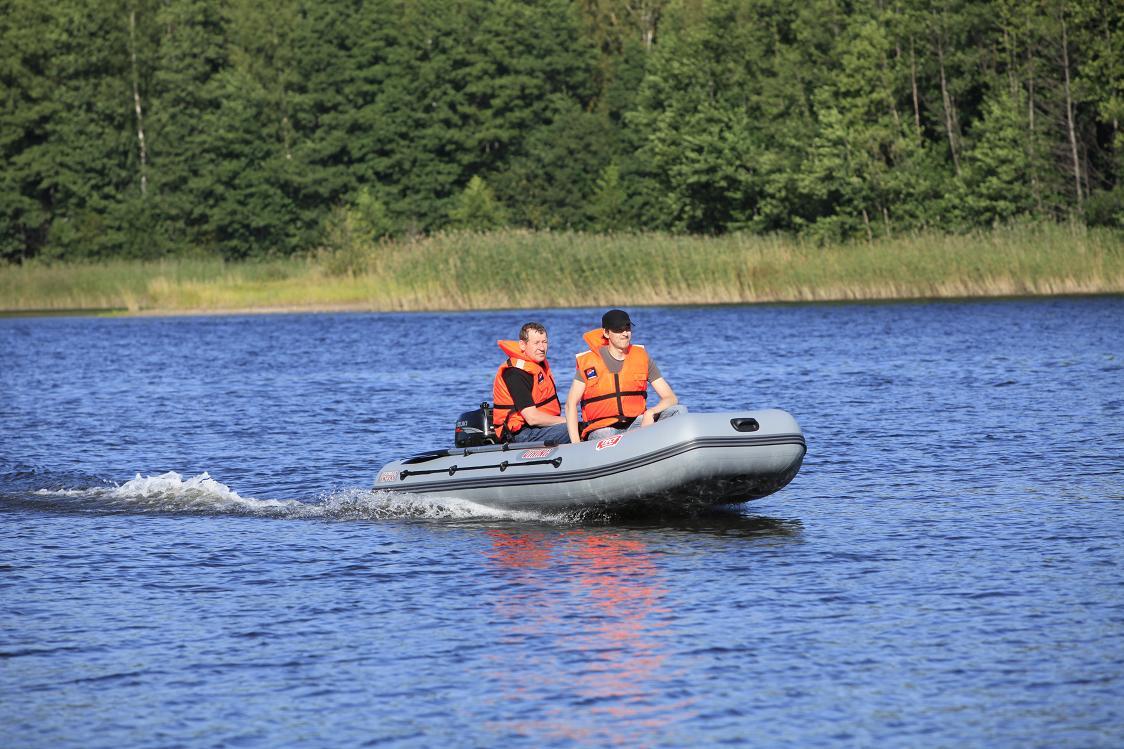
[616, 320]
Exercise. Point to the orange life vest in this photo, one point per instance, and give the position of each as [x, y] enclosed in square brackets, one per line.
[611, 399]
[505, 418]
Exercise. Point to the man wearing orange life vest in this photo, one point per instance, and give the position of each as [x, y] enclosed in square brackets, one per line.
[612, 381]
[524, 397]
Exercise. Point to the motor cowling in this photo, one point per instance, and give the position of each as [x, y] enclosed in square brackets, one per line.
[475, 427]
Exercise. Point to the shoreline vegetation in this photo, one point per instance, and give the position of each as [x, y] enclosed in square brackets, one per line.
[538, 269]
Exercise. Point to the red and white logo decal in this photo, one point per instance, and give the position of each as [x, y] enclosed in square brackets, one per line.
[541, 452]
[608, 442]
[387, 476]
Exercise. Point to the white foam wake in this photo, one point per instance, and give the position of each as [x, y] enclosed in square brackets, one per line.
[171, 492]
[362, 503]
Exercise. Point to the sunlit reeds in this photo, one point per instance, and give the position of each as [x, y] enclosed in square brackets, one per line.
[559, 269]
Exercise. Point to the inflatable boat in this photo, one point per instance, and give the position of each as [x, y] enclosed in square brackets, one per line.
[691, 460]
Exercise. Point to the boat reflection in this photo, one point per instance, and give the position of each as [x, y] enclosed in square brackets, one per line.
[585, 618]
[589, 624]
[719, 521]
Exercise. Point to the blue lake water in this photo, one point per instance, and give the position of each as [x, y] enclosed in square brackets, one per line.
[191, 554]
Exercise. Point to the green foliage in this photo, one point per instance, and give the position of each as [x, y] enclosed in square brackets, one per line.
[1106, 208]
[371, 218]
[608, 204]
[550, 185]
[347, 246]
[146, 128]
[351, 233]
[998, 166]
[696, 109]
[457, 270]
[186, 146]
[27, 106]
[1099, 30]
[477, 209]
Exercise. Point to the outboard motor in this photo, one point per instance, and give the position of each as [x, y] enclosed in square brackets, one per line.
[475, 427]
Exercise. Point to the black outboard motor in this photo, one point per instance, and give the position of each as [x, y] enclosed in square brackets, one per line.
[475, 427]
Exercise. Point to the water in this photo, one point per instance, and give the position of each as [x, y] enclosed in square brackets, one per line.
[191, 554]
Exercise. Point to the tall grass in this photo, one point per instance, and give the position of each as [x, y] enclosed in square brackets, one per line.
[558, 269]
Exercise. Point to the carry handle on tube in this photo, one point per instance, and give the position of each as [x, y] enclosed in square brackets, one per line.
[745, 424]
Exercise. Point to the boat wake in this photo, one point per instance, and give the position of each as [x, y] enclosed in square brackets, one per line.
[171, 493]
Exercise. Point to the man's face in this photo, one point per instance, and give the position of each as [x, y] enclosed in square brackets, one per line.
[535, 346]
[619, 338]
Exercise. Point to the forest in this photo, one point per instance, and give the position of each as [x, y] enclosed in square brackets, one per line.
[234, 129]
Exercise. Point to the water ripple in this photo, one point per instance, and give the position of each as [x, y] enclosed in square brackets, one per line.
[192, 554]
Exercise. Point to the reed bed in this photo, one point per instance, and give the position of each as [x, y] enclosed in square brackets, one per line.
[521, 269]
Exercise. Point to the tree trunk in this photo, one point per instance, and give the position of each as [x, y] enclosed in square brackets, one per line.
[889, 86]
[949, 114]
[647, 15]
[143, 151]
[1009, 47]
[913, 80]
[1069, 117]
[1035, 185]
[1108, 45]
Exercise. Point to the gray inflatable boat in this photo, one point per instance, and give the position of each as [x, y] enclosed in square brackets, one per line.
[691, 460]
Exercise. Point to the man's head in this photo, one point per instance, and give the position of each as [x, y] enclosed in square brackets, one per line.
[617, 327]
[533, 342]
[616, 320]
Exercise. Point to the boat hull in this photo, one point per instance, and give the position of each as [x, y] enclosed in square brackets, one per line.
[690, 460]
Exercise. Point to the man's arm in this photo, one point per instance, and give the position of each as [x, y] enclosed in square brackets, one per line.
[536, 417]
[667, 400]
[577, 388]
[519, 385]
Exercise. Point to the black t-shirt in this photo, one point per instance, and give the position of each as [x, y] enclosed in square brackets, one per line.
[519, 384]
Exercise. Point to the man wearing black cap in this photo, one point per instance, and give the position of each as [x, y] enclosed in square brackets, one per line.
[612, 381]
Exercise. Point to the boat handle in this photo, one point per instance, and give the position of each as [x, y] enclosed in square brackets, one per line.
[453, 469]
[745, 425]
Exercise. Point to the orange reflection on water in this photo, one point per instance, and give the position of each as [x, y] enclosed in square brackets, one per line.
[530, 550]
[585, 611]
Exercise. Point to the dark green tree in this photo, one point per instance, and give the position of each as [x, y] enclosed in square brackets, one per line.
[184, 149]
[27, 108]
[250, 136]
[477, 209]
[551, 183]
[998, 166]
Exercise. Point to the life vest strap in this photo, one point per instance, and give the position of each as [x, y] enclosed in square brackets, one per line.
[505, 432]
[615, 394]
[538, 404]
[605, 422]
